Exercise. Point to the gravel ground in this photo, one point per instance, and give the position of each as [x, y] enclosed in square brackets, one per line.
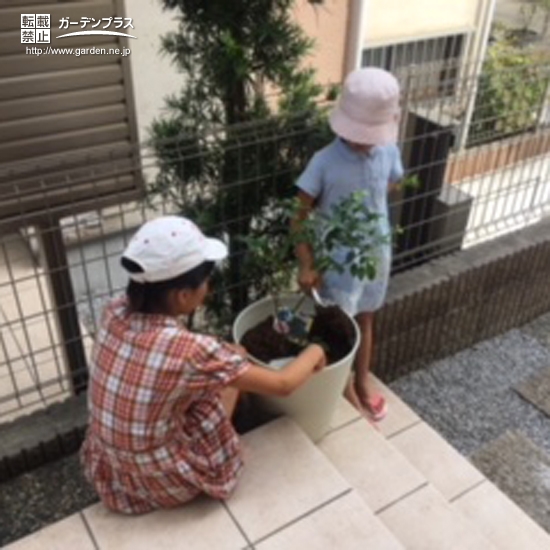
[46, 495]
[471, 399]
[521, 470]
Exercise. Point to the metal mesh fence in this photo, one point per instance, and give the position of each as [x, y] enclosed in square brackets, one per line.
[59, 264]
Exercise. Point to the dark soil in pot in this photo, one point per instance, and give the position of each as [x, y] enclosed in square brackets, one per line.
[331, 327]
[334, 329]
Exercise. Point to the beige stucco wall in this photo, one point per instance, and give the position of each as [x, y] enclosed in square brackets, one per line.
[327, 25]
[385, 22]
[154, 75]
[389, 21]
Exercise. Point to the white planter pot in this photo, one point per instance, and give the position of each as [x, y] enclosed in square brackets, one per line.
[313, 404]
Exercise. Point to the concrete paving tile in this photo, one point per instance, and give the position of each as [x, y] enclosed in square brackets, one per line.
[371, 464]
[344, 414]
[346, 523]
[285, 477]
[500, 520]
[425, 521]
[203, 524]
[67, 534]
[444, 467]
[520, 469]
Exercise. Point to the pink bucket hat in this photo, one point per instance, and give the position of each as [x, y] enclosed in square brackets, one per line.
[170, 246]
[368, 109]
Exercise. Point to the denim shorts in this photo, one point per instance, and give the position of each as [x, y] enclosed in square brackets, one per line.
[354, 295]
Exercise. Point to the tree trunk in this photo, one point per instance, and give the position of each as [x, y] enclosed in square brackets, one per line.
[236, 112]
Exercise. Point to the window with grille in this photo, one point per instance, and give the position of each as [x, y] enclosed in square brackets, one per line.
[68, 131]
[436, 62]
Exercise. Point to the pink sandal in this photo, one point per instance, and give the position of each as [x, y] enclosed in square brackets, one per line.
[376, 408]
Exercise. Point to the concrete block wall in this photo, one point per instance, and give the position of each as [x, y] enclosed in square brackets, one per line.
[456, 301]
[43, 436]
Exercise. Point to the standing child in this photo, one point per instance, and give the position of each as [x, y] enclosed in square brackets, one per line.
[160, 396]
[363, 157]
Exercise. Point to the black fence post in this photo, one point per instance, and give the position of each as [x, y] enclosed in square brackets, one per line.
[59, 279]
[430, 148]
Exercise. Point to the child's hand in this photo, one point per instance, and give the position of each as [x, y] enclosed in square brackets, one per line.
[322, 361]
[308, 278]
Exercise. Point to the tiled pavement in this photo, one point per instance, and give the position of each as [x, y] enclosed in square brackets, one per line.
[399, 487]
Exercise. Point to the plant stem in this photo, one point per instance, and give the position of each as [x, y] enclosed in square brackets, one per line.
[297, 307]
[275, 304]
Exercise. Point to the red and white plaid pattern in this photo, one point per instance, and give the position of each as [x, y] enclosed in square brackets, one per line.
[158, 434]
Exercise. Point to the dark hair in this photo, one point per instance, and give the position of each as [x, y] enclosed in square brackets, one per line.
[152, 297]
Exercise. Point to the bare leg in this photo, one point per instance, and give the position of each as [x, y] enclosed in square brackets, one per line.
[359, 392]
[229, 400]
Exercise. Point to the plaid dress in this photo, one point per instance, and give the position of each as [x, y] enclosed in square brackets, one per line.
[158, 434]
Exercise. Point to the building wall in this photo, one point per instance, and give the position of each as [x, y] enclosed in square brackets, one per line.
[385, 22]
[154, 76]
[327, 24]
[390, 21]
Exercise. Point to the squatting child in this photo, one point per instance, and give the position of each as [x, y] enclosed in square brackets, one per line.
[161, 396]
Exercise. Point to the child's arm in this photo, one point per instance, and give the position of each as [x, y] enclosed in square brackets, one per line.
[307, 275]
[261, 380]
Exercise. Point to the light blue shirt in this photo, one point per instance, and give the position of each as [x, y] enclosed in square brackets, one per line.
[334, 173]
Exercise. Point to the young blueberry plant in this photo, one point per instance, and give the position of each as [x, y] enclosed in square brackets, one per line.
[350, 226]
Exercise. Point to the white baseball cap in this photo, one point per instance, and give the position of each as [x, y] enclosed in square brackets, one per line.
[368, 109]
[170, 246]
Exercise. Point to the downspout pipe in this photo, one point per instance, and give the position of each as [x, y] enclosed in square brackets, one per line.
[357, 19]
